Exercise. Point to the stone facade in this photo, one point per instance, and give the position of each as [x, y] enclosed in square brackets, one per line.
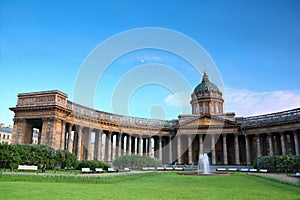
[91, 134]
[5, 133]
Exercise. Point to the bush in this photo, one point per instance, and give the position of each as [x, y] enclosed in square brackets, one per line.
[12, 155]
[92, 164]
[287, 163]
[136, 162]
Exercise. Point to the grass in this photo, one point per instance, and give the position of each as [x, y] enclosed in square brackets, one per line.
[144, 186]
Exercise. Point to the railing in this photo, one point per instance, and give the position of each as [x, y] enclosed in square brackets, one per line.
[121, 120]
[274, 118]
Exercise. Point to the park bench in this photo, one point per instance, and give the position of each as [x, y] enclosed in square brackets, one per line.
[221, 169]
[99, 170]
[28, 167]
[232, 169]
[126, 169]
[244, 170]
[86, 170]
[169, 168]
[111, 169]
[253, 170]
[160, 168]
[179, 168]
[263, 170]
[145, 168]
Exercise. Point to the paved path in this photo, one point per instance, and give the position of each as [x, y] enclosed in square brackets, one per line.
[279, 176]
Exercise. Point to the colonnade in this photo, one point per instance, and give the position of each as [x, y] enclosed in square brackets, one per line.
[95, 144]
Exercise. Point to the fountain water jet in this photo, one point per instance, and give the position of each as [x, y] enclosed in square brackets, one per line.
[203, 164]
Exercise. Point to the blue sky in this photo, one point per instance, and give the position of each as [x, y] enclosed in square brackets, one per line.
[254, 44]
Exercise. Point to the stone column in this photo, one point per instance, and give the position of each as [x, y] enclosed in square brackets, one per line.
[170, 150]
[119, 144]
[225, 158]
[213, 150]
[190, 149]
[88, 143]
[70, 146]
[96, 145]
[237, 149]
[140, 145]
[79, 138]
[247, 150]
[179, 149]
[160, 147]
[270, 144]
[149, 146]
[63, 135]
[258, 145]
[129, 140]
[44, 131]
[296, 143]
[50, 132]
[122, 144]
[201, 150]
[108, 146]
[282, 140]
[112, 151]
[99, 149]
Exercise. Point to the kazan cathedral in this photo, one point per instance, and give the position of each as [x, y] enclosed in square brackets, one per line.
[96, 135]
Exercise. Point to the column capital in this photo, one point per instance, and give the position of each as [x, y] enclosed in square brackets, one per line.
[79, 127]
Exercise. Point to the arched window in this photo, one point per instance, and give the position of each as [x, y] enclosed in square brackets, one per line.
[206, 109]
[201, 108]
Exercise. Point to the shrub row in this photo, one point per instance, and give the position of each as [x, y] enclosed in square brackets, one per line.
[92, 164]
[136, 162]
[287, 163]
[12, 155]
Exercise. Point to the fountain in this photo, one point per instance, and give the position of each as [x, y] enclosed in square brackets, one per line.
[203, 162]
[203, 168]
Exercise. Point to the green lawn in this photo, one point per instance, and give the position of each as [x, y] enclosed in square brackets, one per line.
[144, 186]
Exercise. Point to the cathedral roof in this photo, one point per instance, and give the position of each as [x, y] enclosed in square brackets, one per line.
[206, 85]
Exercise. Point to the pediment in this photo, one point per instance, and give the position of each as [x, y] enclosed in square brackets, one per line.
[206, 120]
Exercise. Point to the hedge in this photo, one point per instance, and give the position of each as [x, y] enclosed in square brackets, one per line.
[136, 162]
[92, 164]
[287, 163]
[12, 155]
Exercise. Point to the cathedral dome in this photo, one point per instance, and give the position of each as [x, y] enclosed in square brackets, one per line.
[206, 86]
[207, 98]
